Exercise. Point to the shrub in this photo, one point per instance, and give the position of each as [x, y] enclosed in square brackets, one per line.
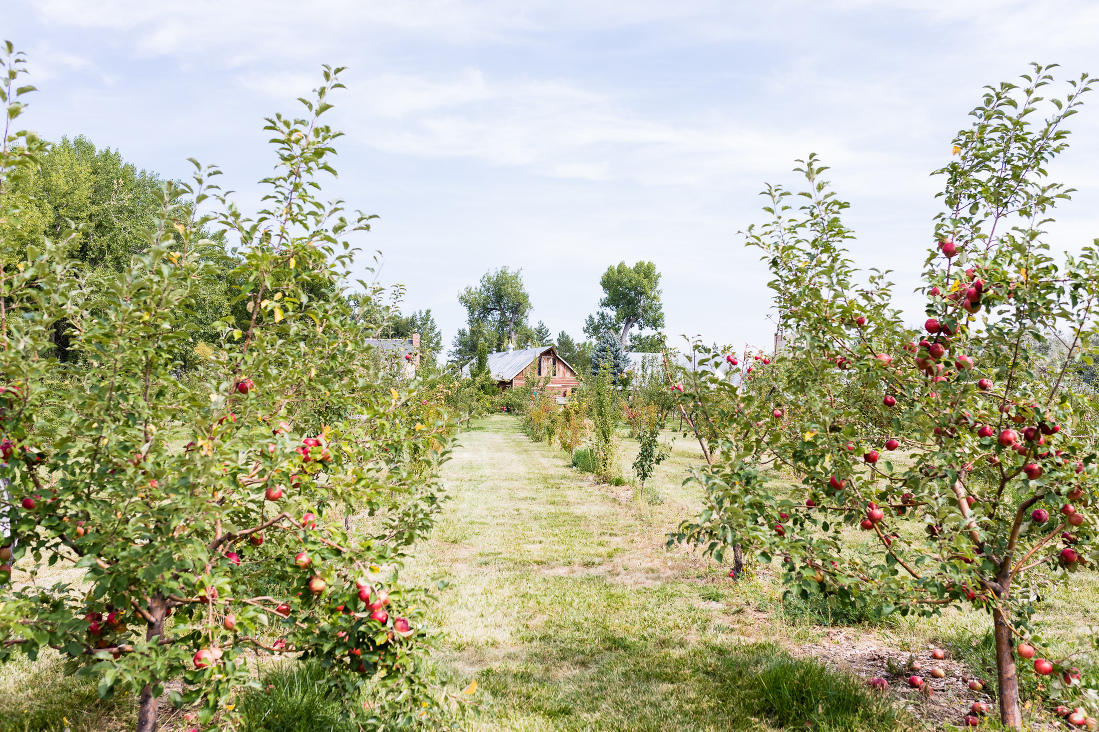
[190, 555]
[582, 460]
[571, 426]
[1002, 464]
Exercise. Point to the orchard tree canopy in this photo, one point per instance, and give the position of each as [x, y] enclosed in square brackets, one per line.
[991, 496]
[631, 298]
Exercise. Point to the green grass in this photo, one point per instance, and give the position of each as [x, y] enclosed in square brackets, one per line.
[38, 696]
[567, 609]
[293, 700]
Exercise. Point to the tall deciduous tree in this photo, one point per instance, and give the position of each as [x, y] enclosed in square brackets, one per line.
[631, 298]
[500, 302]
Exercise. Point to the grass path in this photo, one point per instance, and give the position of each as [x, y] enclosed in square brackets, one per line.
[566, 607]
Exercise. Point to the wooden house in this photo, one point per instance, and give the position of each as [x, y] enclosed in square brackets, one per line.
[515, 368]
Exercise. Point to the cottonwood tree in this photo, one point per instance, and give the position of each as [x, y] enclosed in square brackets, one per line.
[994, 494]
[500, 302]
[196, 558]
[631, 297]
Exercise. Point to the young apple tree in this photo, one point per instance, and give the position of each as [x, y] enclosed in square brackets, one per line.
[969, 465]
[203, 507]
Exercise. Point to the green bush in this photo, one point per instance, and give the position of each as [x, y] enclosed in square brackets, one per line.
[582, 460]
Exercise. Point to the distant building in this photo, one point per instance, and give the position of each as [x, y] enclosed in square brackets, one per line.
[513, 368]
[406, 350]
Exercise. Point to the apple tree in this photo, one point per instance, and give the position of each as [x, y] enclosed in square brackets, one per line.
[204, 507]
[967, 462]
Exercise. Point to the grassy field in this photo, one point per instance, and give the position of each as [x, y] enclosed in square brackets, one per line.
[565, 606]
[567, 609]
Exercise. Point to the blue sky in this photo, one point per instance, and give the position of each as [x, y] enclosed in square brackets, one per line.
[563, 137]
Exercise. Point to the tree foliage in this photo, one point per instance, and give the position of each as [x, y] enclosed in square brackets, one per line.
[499, 303]
[994, 495]
[197, 558]
[609, 356]
[631, 297]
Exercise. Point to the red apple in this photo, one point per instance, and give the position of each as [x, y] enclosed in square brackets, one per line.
[976, 685]
[875, 515]
[245, 385]
[230, 622]
[779, 530]
[985, 431]
[964, 362]
[401, 625]
[938, 654]
[915, 681]
[871, 457]
[1077, 718]
[936, 350]
[1033, 471]
[1068, 509]
[836, 483]
[948, 248]
[1069, 556]
[255, 539]
[809, 502]
[316, 585]
[860, 321]
[777, 414]
[938, 673]
[931, 325]
[379, 615]
[27, 503]
[204, 658]
[731, 359]
[302, 560]
[892, 444]
[1039, 515]
[984, 384]
[273, 493]
[889, 401]
[971, 721]
[866, 524]
[1043, 667]
[979, 707]
[283, 610]
[309, 521]
[1008, 437]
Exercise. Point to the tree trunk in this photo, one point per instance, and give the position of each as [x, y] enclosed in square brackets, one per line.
[625, 332]
[738, 561]
[1006, 679]
[148, 705]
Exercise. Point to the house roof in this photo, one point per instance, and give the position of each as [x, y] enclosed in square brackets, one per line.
[399, 346]
[506, 365]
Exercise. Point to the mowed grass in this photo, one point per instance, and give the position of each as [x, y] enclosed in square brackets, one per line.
[567, 609]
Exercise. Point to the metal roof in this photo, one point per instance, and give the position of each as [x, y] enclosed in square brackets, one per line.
[400, 346]
[506, 365]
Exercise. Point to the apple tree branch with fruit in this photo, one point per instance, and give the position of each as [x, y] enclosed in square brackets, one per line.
[969, 464]
[200, 558]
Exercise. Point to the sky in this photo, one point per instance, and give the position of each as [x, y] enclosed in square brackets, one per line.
[564, 137]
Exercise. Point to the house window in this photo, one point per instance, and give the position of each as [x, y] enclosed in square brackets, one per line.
[539, 367]
[554, 367]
